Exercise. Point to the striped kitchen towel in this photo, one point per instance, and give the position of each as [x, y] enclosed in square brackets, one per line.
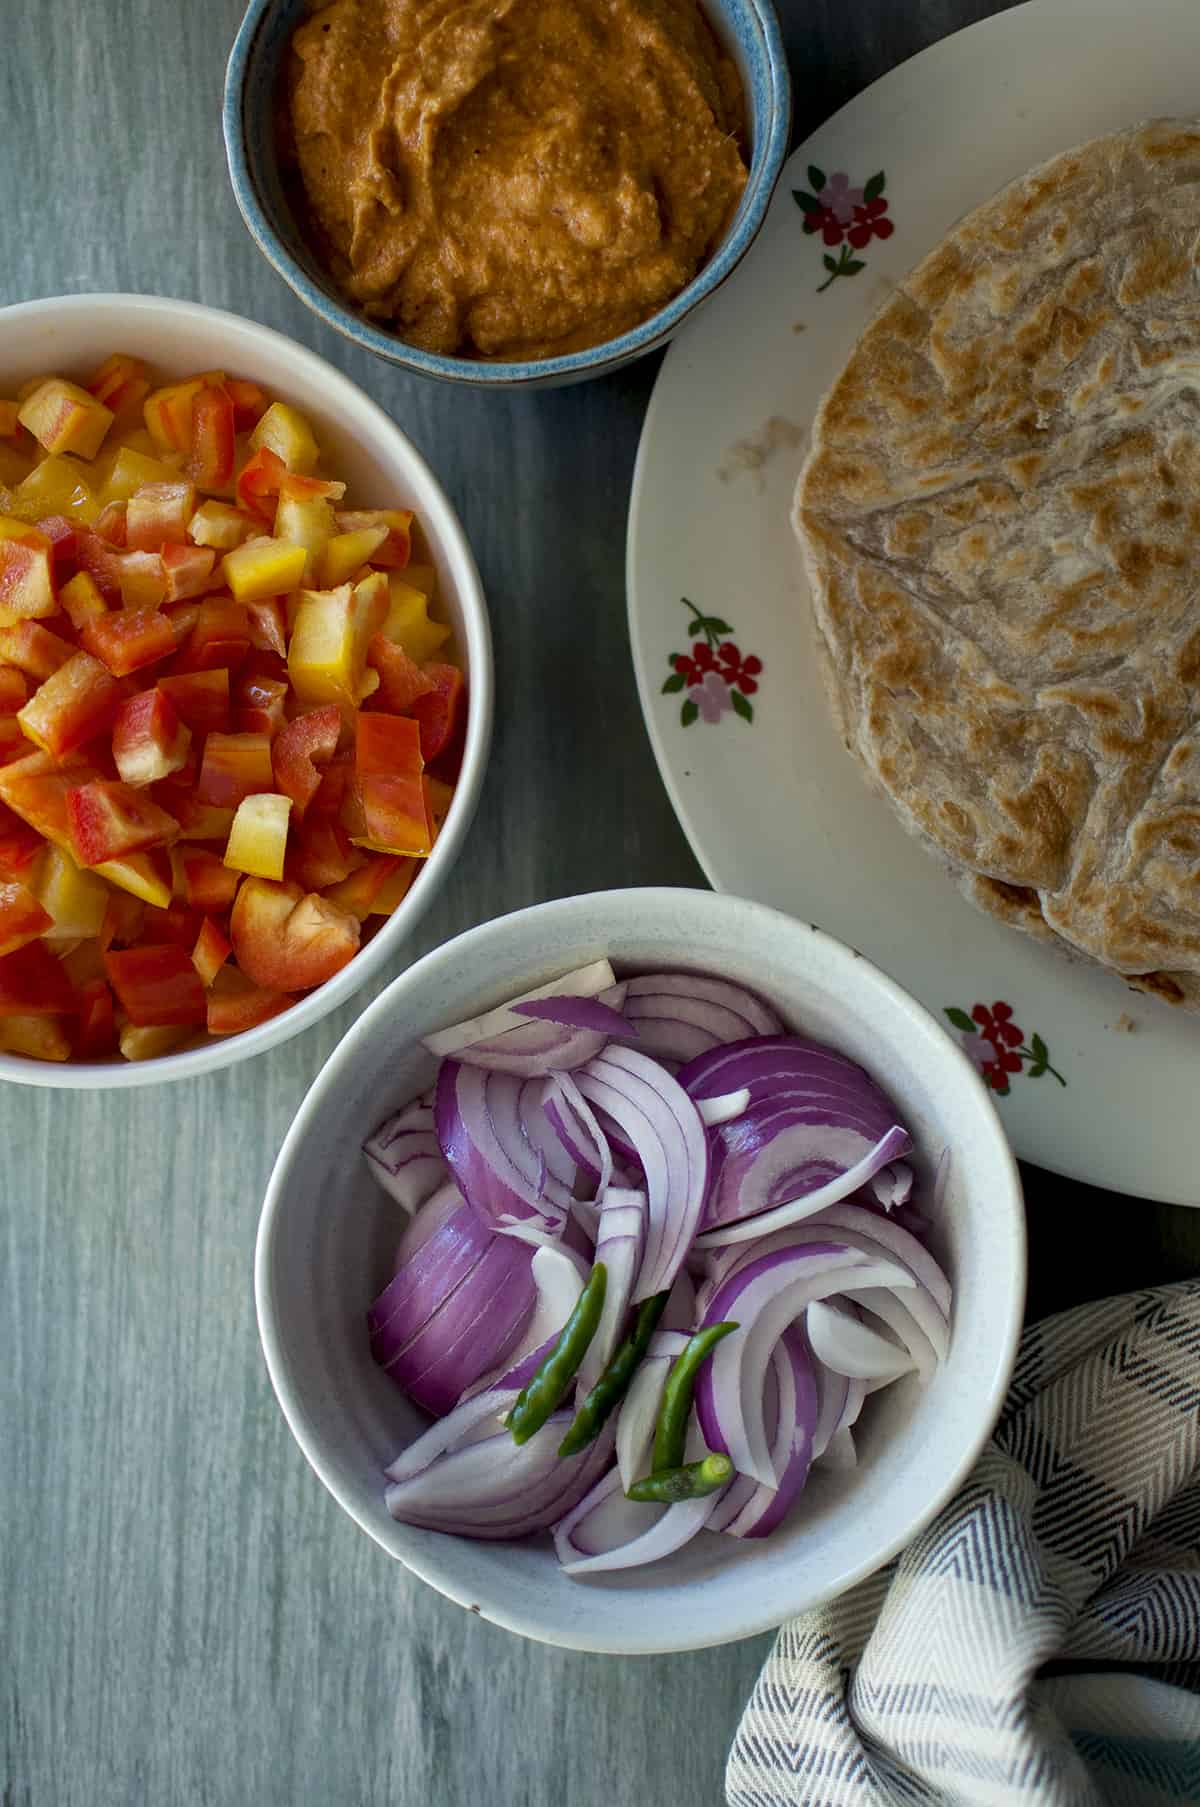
[1040, 1642]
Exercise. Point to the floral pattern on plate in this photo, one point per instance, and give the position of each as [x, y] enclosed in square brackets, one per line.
[996, 1045]
[845, 216]
[719, 678]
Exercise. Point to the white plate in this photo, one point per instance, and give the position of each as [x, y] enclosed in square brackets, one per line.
[773, 806]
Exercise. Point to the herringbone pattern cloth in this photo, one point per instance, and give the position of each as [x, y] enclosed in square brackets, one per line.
[1040, 1642]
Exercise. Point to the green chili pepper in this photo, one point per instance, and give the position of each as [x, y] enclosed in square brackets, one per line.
[667, 1486]
[549, 1385]
[613, 1383]
[670, 1433]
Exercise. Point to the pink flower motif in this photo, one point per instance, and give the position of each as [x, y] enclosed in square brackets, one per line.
[978, 1050]
[712, 697]
[839, 198]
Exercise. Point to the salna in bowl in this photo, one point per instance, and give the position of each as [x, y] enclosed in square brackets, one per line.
[911, 1191]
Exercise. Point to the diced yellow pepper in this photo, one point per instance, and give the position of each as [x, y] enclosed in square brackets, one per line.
[82, 600]
[37, 1037]
[75, 899]
[258, 838]
[12, 527]
[168, 411]
[60, 486]
[408, 623]
[141, 876]
[130, 469]
[308, 524]
[219, 524]
[394, 889]
[285, 432]
[327, 655]
[263, 568]
[65, 418]
[423, 578]
[148, 1044]
[346, 553]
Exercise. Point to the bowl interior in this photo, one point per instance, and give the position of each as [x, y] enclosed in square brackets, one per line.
[328, 1237]
[748, 31]
[72, 334]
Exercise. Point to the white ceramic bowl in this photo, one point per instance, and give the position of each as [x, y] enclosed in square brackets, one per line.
[72, 333]
[328, 1236]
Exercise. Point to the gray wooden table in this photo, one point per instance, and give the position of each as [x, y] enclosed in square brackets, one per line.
[185, 1616]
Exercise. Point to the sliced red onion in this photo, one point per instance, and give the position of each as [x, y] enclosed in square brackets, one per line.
[620, 1240]
[679, 1313]
[559, 1274]
[681, 1015]
[473, 1329]
[899, 1244]
[848, 1346]
[724, 1109]
[443, 1245]
[813, 1204]
[892, 1186]
[664, 1127]
[572, 1119]
[585, 982]
[764, 1297]
[500, 1489]
[813, 1113]
[404, 1156]
[488, 1407]
[901, 1322]
[791, 1445]
[483, 1121]
[607, 1531]
[833, 1393]
[579, 1013]
[638, 1412]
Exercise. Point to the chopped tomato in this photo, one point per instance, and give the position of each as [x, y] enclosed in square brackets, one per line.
[387, 770]
[108, 821]
[235, 1004]
[234, 766]
[259, 705]
[201, 698]
[78, 702]
[302, 743]
[149, 741]
[287, 941]
[34, 649]
[97, 1032]
[439, 711]
[128, 639]
[208, 883]
[188, 570]
[259, 480]
[221, 637]
[22, 917]
[211, 951]
[32, 983]
[212, 452]
[156, 986]
[401, 680]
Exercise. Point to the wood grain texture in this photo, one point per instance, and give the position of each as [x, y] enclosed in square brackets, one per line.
[186, 1617]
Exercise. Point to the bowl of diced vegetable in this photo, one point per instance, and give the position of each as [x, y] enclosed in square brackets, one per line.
[245, 689]
[643, 1268]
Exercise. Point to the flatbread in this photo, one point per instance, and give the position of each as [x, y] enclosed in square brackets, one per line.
[1000, 515]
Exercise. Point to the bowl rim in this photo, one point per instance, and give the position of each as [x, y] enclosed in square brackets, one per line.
[452, 539]
[593, 360]
[1005, 1193]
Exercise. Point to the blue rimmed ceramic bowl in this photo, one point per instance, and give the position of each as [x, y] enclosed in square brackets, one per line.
[749, 31]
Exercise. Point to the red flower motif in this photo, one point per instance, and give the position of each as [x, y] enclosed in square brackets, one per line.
[997, 1025]
[738, 671]
[695, 667]
[825, 221]
[869, 222]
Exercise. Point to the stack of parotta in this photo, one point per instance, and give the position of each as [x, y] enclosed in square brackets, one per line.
[1001, 518]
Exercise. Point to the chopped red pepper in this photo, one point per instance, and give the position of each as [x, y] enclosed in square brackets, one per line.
[108, 820]
[209, 884]
[32, 983]
[22, 917]
[440, 710]
[259, 480]
[401, 680]
[213, 947]
[213, 426]
[302, 743]
[128, 639]
[201, 698]
[78, 702]
[388, 768]
[97, 1020]
[221, 637]
[156, 986]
